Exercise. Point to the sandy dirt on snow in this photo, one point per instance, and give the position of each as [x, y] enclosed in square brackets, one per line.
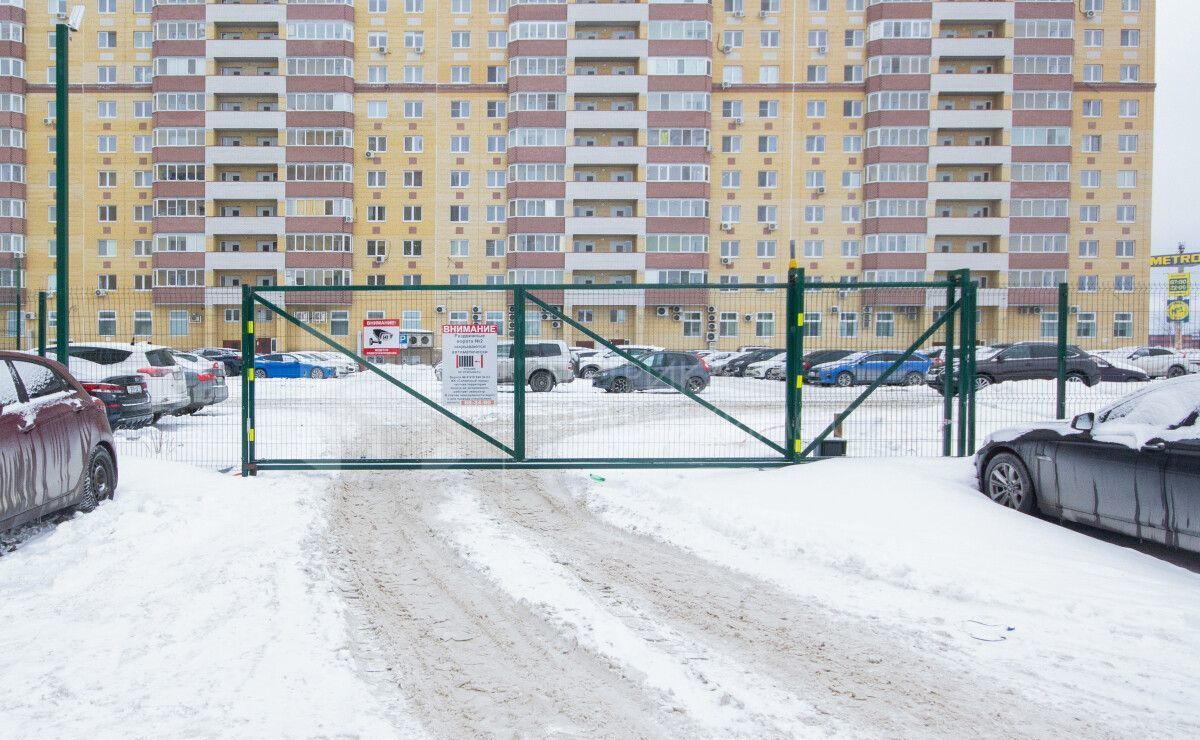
[474, 660]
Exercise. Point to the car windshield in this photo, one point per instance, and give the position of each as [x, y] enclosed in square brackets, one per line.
[1164, 406]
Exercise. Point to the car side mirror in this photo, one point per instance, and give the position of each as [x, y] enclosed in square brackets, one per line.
[1084, 422]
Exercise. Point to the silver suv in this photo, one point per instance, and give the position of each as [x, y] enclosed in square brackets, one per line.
[547, 363]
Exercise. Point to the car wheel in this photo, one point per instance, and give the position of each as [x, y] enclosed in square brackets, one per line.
[588, 372]
[983, 381]
[99, 480]
[1007, 482]
[316, 373]
[913, 378]
[259, 373]
[1076, 378]
[695, 384]
[541, 382]
[1175, 371]
[844, 379]
[154, 419]
[621, 385]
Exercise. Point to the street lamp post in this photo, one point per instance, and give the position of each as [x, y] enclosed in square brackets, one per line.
[62, 180]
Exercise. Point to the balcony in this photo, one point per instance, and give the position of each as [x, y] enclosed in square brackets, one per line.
[606, 155]
[973, 11]
[606, 119]
[249, 190]
[974, 261]
[244, 260]
[233, 297]
[969, 190]
[246, 14]
[246, 48]
[971, 48]
[613, 48]
[966, 226]
[606, 225]
[275, 155]
[984, 119]
[604, 298]
[244, 225]
[245, 85]
[606, 191]
[971, 83]
[983, 297]
[606, 84]
[608, 13]
[969, 155]
[616, 261]
[243, 120]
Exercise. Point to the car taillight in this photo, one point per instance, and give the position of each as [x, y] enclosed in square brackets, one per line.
[704, 365]
[205, 377]
[156, 372]
[101, 388]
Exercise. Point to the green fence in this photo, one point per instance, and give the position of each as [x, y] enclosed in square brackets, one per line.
[392, 413]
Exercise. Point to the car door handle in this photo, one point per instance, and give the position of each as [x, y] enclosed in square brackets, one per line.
[1157, 446]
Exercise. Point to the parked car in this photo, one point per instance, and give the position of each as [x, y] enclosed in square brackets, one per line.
[165, 379]
[738, 365]
[126, 398]
[205, 379]
[232, 358]
[337, 359]
[1028, 361]
[288, 365]
[608, 359]
[1113, 370]
[867, 367]
[56, 448]
[717, 361]
[1158, 362]
[772, 369]
[317, 358]
[1132, 467]
[819, 356]
[547, 363]
[684, 369]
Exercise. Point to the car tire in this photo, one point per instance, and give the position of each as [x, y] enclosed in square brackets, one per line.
[620, 385]
[844, 379]
[1006, 481]
[588, 372]
[541, 382]
[1175, 371]
[1076, 378]
[317, 374]
[696, 384]
[981, 382]
[99, 480]
[155, 419]
[914, 378]
[259, 373]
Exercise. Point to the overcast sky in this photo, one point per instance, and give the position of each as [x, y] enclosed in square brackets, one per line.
[1176, 122]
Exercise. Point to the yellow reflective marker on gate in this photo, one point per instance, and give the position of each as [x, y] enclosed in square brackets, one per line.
[250, 327]
[250, 435]
[799, 446]
[799, 381]
[800, 319]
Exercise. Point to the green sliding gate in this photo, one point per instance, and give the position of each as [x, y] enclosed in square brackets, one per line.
[392, 415]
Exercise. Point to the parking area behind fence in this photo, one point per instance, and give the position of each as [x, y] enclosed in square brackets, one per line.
[610, 374]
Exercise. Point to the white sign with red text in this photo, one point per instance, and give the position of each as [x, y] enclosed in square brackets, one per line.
[469, 364]
[382, 338]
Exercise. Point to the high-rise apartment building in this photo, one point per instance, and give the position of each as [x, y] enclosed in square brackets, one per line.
[491, 141]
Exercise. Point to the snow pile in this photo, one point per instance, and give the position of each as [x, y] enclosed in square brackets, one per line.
[193, 605]
[1103, 630]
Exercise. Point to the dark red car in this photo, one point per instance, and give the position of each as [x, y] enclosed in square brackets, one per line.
[56, 448]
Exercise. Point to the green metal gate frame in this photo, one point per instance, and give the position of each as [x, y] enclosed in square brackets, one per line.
[960, 298]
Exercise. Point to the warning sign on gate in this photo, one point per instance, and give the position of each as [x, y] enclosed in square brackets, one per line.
[382, 338]
[469, 364]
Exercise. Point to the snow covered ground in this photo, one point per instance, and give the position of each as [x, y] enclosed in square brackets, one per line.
[194, 605]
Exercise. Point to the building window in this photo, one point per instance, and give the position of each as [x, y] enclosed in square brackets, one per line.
[178, 323]
[885, 324]
[1085, 324]
[729, 324]
[106, 323]
[1122, 325]
[848, 324]
[1123, 283]
[764, 324]
[339, 323]
[1049, 324]
[812, 324]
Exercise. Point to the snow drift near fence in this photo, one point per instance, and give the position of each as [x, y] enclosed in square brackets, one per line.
[193, 605]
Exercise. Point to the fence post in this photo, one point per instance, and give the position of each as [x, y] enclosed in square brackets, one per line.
[41, 324]
[247, 380]
[518, 335]
[1060, 409]
[794, 375]
[972, 320]
[965, 351]
[948, 373]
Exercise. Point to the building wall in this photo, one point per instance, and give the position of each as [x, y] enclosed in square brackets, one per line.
[806, 85]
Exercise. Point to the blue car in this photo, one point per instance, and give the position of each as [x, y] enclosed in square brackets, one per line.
[867, 367]
[284, 365]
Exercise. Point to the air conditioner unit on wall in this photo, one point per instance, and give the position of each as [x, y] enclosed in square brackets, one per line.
[711, 336]
[661, 311]
[425, 340]
[196, 317]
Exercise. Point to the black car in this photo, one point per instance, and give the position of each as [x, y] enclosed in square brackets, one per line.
[231, 358]
[1029, 361]
[1133, 467]
[1110, 373]
[126, 400]
[738, 365]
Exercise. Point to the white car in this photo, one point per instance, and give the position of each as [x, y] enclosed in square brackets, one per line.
[341, 367]
[1157, 362]
[772, 369]
[610, 359]
[165, 379]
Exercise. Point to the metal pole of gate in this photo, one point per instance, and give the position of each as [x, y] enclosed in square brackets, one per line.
[794, 375]
[518, 336]
[965, 351]
[971, 369]
[1060, 406]
[41, 324]
[948, 380]
[247, 379]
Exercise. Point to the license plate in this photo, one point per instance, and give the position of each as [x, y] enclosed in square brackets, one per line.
[133, 389]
